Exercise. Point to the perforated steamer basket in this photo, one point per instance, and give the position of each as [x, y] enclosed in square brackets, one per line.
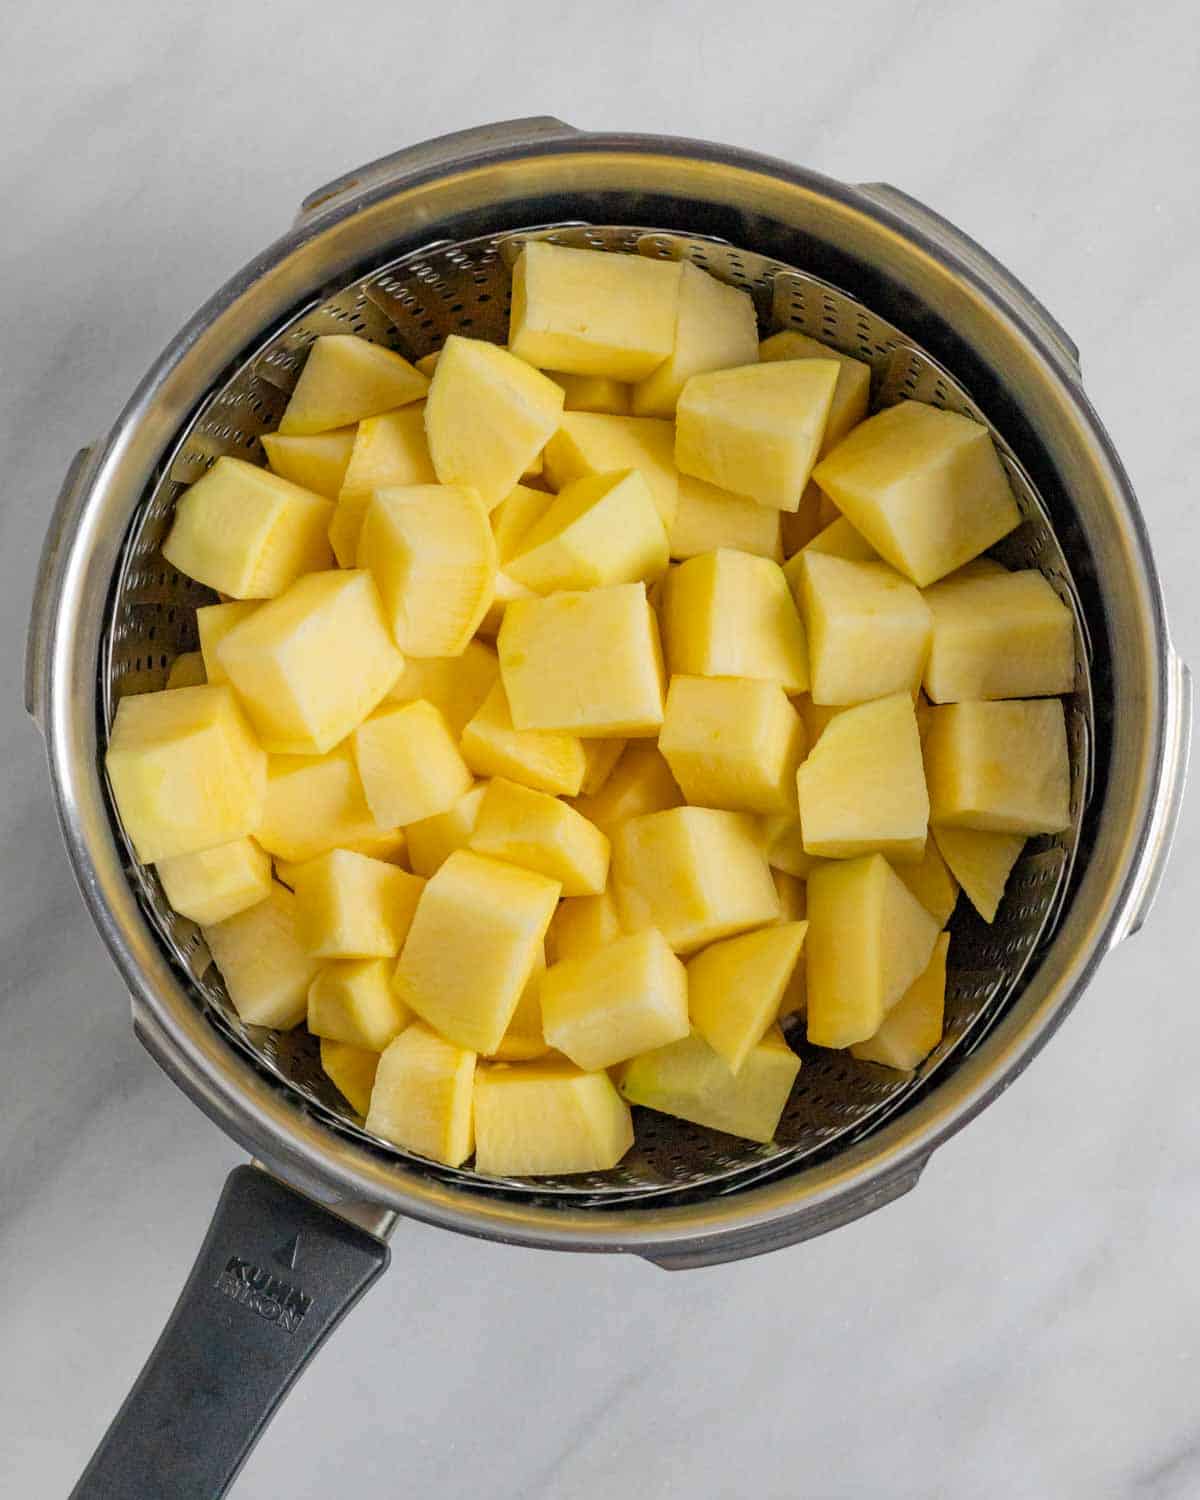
[404, 252]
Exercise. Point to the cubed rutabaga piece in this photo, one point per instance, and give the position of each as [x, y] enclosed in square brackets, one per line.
[548, 1118]
[387, 844]
[708, 518]
[409, 763]
[924, 486]
[641, 782]
[999, 767]
[586, 312]
[592, 443]
[838, 539]
[582, 924]
[543, 759]
[1005, 635]
[913, 1027]
[793, 902]
[798, 527]
[315, 462]
[432, 554]
[611, 1003]
[851, 394]
[756, 430]
[455, 685]
[523, 1040]
[312, 664]
[214, 622]
[733, 742]
[783, 844]
[818, 716]
[602, 757]
[695, 873]
[538, 832]
[213, 884]
[587, 664]
[313, 803]
[346, 378]
[427, 363]
[981, 863]
[245, 532]
[507, 589]
[513, 517]
[689, 1080]
[868, 939]
[488, 417]
[715, 329]
[185, 770]
[472, 946]
[735, 987]
[354, 1002]
[433, 840]
[593, 393]
[862, 788]
[868, 628]
[389, 450]
[931, 883]
[728, 614]
[351, 1070]
[601, 530]
[352, 906]
[263, 961]
[422, 1099]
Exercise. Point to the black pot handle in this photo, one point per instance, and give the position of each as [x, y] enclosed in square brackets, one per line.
[274, 1277]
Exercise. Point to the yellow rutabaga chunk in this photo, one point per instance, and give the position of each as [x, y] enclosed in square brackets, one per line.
[924, 486]
[543, 759]
[388, 450]
[611, 1003]
[708, 518]
[913, 1026]
[314, 803]
[290, 662]
[214, 622]
[868, 628]
[523, 1041]
[589, 313]
[538, 832]
[455, 685]
[213, 884]
[422, 1099]
[715, 328]
[868, 939]
[263, 961]
[602, 757]
[735, 988]
[433, 840]
[409, 763]
[981, 863]
[513, 517]
[488, 417]
[1006, 635]
[641, 782]
[999, 767]
[186, 771]
[695, 873]
[582, 924]
[783, 843]
[432, 554]
[316, 462]
[689, 1080]
[604, 529]
[587, 664]
[346, 378]
[931, 883]
[756, 430]
[548, 1118]
[351, 1070]
[187, 670]
[592, 392]
[591, 443]
[733, 742]
[473, 945]
[354, 1002]
[245, 532]
[838, 539]
[731, 615]
[862, 788]
[351, 906]
[851, 393]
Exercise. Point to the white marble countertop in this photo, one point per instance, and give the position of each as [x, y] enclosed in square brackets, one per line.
[1027, 1323]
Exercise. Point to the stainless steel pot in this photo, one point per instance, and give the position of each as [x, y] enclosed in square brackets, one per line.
[406, 249]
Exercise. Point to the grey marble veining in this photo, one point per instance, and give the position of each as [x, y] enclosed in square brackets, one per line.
[1027, 1323]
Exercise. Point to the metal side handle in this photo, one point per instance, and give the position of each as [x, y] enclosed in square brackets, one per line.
[1165, 821]
[275, 1276]
[63, 520]
[916, 215]
[533, 130]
